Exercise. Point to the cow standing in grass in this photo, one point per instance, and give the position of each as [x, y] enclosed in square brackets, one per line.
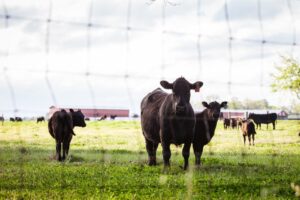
[2, 119]
[263, 119]
[233, 123]
[18, 119]
[206, 122]
[61, 126]
[226, 123]
[248, 130]
[40, 119]
[169, 119]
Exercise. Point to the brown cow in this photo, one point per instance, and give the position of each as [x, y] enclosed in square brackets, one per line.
[169, 119]
[206, 122]
[248, 129]
[61, 126]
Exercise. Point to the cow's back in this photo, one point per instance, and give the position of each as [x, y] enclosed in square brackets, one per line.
[60, 125]
[248, 127]
[150, 106]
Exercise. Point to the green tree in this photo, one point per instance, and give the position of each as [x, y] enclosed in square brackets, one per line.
[287, 76]
[235, 103]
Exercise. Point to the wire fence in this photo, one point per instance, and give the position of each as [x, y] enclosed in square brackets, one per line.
[116, 63]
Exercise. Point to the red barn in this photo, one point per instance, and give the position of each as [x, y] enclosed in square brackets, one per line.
[94, 113]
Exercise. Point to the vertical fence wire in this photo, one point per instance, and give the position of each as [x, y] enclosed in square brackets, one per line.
[5, 64]
[163, 24]
[198, 39]
[47, 51]
[230, 39]
[294, 30]
[89, 27]
[262, 45]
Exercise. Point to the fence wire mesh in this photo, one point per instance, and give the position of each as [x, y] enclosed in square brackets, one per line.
[84, 56]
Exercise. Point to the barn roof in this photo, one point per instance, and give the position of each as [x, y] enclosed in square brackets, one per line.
[94, 112]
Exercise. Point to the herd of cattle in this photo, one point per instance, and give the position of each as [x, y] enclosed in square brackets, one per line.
[166, 118]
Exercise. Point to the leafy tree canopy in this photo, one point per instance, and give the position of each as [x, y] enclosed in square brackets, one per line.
[287, 77]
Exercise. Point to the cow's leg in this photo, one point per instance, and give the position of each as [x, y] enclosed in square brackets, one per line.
[186, 154]
[253, 137]
[273, 125]
[198, 149]
[166, 153]
[151, 150]
[58, 150]
[249, 139]
[244, 139]
[68, 144]
[64, 149]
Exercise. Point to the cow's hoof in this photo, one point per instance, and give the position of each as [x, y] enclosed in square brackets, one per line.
[152, 163]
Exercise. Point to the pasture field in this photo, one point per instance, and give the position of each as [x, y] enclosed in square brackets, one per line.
[108, 160]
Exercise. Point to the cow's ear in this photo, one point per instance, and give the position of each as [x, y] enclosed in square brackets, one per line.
[71, 110]
[196, 86]
[224, 104]
[205, 104]
[166, 85]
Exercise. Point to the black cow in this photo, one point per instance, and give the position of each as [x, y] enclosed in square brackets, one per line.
[40, 119]
[169, 119]
[263, 119]
[113, 117]
[233, 123]
[18, 119]
[226, 123]
[2, 119]
[248, 129]
[206, 122]
[11, 119]
[61, 126]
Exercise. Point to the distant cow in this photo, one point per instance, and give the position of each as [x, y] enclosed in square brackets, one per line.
[61, 126]
[40, 119]
[226, 123]
[248, 130]
[113, 117]
[2, 119]
[103, 118]
[263, 119]
[239, 123]
[169, 119]
[233, 123]
[11, 119]
[18, 119]
[206, 122]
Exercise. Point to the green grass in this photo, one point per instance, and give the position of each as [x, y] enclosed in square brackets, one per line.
[108, 160]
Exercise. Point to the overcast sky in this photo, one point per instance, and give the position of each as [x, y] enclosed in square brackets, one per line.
[108, 65]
